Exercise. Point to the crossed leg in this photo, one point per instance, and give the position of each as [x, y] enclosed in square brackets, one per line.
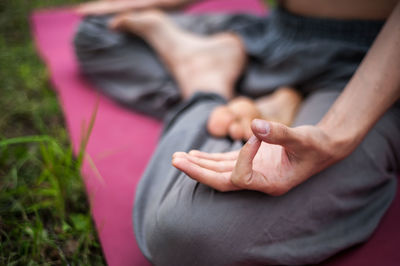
[209, 64]
[179, 221]
[234, 118]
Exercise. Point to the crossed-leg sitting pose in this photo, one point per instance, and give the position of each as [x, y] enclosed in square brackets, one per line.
[289, 195]
[209, 64]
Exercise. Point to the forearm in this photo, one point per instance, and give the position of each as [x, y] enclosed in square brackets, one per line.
[372, 90]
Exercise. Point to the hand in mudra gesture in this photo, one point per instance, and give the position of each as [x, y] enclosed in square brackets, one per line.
[274, 160]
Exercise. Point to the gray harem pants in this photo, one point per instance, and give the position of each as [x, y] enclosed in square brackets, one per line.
[179, 221]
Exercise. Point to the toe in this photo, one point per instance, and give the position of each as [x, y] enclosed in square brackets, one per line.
[236, 131]
[244, 107]
[219, 121]
[246, 125]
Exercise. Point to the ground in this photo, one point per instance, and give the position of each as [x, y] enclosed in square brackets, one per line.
[44, 215]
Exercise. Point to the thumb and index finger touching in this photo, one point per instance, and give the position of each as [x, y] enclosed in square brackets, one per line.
[275, 133]
[269, 132]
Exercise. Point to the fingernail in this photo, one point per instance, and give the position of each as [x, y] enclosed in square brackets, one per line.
[176, 161]
[252, 139]
[261, 126]
[193, 152]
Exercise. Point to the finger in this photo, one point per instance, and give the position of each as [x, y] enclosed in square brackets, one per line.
[233, 155]
[242, 173]
[274, 133]
[218, 181]
[217, 166]
[236, 131]
[179, 154]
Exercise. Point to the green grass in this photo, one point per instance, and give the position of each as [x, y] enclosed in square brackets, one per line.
[44, 214]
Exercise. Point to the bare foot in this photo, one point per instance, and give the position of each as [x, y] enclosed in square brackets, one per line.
[102, 7]
[234, 119]
[197, 63]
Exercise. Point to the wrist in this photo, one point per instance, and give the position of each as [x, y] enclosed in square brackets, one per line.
[341, 141]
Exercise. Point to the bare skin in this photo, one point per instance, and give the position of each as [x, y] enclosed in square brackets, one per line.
[234, 119]
[339, 9]
[210, 64]
[115, 6]
[342, 9]
[278, 158]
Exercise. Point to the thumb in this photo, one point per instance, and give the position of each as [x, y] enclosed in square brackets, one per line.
[242, 174]
[274, 133]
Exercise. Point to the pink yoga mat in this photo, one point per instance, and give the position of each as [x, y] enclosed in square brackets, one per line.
[122, 142]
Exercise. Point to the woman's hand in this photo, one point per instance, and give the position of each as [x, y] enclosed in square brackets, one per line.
[286, 157]
[273, 161]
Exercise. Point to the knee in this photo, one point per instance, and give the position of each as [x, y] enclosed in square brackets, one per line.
[183, 236]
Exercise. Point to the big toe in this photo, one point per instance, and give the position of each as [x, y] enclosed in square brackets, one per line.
[236, 131]
[246, 126]
[219, 121]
